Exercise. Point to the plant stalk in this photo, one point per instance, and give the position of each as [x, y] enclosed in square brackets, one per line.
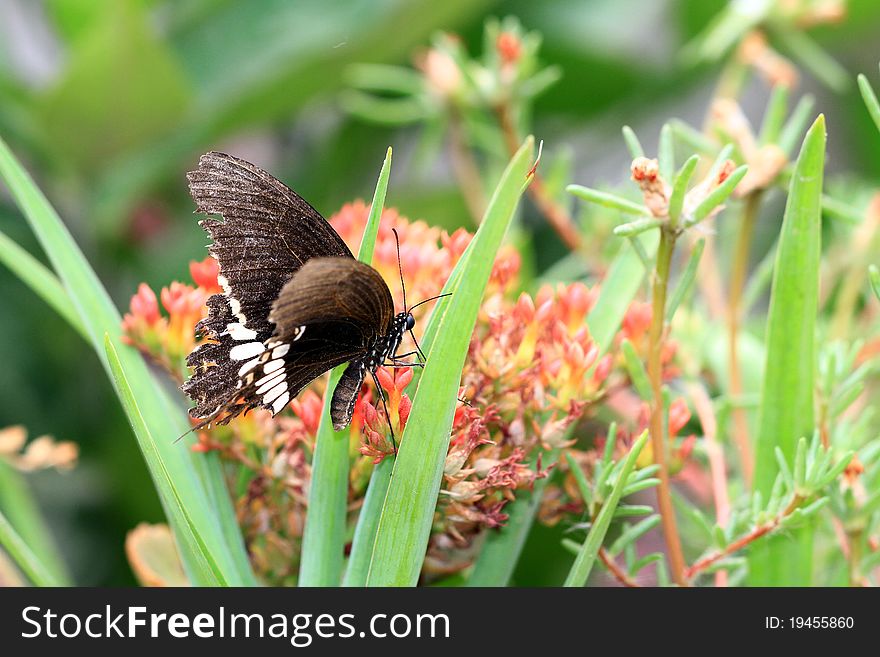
[655, 374]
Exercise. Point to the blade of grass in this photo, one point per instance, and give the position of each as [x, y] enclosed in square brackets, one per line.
[21, 510]
[323, 549]
[368, 522]
[583, 564]
[201, 540]
[786, 410]
[22, 555]
[407, 515]
[870, 99]
[208, 568]
[41, 280]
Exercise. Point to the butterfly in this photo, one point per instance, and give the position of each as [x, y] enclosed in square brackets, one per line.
[295, 301]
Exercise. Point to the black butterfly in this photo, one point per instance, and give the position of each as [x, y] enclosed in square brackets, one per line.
[295, 301]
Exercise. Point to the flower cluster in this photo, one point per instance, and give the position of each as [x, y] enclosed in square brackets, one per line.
[168, 339]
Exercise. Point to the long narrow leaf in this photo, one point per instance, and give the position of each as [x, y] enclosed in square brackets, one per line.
[405, 523]
[786, 410]
[200, 538]
[42, 281]
[368, 522]
[324, 535]
[583, 564]
[24, 557]
[21, 510]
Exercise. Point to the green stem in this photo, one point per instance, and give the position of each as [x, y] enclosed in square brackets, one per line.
[655, 373]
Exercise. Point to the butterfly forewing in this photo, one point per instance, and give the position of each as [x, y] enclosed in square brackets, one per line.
[267, 232]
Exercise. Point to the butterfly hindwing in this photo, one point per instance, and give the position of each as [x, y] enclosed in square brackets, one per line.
[337, 289]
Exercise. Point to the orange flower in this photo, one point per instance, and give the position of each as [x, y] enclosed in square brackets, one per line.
[204, 275]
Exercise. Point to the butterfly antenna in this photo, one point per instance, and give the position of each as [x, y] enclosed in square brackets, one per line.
[400, 268]
[385, 407]
[439, 296]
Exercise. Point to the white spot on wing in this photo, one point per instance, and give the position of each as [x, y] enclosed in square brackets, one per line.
[248, 366]
[239, 332]
[268, 381]
[272, 365]
[299, 333]
[280, 351]
[275, 392]
[280, 403]
[246, 350]
[235, 306]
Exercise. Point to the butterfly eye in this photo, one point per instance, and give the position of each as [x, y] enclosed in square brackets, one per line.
[410, 322]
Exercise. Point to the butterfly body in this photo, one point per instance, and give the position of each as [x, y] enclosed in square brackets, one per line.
[295, 302]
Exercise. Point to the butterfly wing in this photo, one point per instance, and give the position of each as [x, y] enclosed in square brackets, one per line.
[332, 311]
[267, 233]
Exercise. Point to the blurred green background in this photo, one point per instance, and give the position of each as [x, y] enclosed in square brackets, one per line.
[110, 102]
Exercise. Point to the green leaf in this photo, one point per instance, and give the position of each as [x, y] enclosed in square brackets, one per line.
[874, 276]
[811, 56]
[637, 227]
[633, 143]
[24, 557]
[774, 116]
[21, 510]
[368, 521]
[405, 523]
[195, 524]
[41, 280]
[581, 480]
[870, 99]
[608, 200]
[324, 535]
[717, 196]
[622, 282]
[686, 281]
[636, 370]
[796, 124]
[633, 533]
[583, 564]
[680, 187]
[786, 410]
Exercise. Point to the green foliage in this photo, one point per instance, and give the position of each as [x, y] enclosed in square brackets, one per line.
[786, 411]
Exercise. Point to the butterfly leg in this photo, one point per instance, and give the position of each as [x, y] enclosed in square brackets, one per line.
[385, 407]
[418, 348]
